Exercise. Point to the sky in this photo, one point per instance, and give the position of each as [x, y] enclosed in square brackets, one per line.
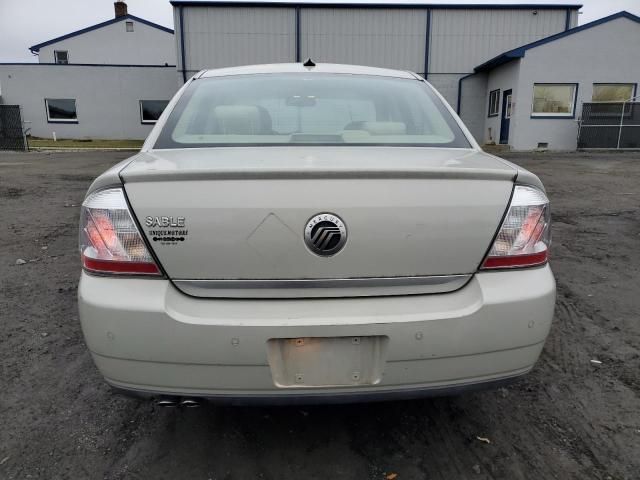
[27, 22]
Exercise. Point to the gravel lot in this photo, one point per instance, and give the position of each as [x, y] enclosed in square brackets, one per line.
[570, 418]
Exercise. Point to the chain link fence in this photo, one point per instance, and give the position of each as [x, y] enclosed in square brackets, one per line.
[614, 125]
[12, 135]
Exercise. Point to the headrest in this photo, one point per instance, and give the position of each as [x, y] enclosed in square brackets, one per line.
[238, 119]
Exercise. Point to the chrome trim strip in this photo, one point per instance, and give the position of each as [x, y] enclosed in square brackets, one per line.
[322, 287]
[325, 282]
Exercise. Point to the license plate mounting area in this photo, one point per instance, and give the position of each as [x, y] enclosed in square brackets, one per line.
[315, 362]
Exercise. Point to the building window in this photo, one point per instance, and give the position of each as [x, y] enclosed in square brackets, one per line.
[150, 110]
[494, 103]
[507, 112]
[61, 110]
[613, 92]
[61, 56]
[554, 100]
[129, 26]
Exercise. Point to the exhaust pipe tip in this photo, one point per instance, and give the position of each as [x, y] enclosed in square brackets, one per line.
[190, 402]
[167, 402]
[170, 402]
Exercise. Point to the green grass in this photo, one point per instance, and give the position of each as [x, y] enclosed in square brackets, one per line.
[82, 143]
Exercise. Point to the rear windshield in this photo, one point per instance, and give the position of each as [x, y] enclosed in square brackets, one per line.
[311, 109]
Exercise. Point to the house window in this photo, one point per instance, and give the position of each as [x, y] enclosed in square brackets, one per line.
[129, 26]
[554, 100]
[494, 103]
[61, 56]
[61, 110]
[613, 92]
[150, 110]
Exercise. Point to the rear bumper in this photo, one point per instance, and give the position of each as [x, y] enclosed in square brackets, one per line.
[335, 397]
[148, 338]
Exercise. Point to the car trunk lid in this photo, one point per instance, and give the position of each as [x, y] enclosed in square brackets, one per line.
[240, 213]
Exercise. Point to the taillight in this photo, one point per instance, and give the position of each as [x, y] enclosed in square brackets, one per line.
[110, 242]
[525, 234]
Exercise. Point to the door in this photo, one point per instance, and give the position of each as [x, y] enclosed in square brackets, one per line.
[505, 118]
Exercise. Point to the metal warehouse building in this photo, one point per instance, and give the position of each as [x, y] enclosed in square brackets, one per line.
[443, 43]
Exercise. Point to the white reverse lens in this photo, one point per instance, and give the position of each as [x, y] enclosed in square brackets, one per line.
[525, 232]
[109, 234]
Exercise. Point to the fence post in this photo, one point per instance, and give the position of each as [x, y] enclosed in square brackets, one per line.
[579, 128]
[24, 132]
[622, 118]
[621, 125]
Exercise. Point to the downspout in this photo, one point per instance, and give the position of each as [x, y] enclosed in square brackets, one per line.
[459, 107]
[567, 21]
[426, 45]
[182, 55]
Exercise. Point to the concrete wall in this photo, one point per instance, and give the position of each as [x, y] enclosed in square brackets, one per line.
[107, 97]
[607, 53]
[112, 44]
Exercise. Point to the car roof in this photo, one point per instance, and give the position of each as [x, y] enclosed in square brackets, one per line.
[300, 68]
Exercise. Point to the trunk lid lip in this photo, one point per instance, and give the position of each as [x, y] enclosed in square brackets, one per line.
[294, 162]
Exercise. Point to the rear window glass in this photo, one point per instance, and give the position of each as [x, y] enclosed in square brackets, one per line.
[311, 109]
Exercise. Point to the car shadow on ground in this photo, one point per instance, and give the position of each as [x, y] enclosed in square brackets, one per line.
[445, 437]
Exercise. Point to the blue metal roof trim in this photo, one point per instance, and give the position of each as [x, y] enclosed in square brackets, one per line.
[36, 48]
[520, 51]
[387, 4]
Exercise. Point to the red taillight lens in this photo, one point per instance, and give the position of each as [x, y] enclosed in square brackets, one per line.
[525, 234]
[110, 242]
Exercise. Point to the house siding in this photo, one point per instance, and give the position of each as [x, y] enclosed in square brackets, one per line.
[603, 54]
[107, 97]
[112, 44]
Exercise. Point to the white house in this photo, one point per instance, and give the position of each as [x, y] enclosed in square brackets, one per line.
[533, 95]
[107, 81]
[123, 40]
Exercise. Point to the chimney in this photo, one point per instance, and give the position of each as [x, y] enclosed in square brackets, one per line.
[120, 8]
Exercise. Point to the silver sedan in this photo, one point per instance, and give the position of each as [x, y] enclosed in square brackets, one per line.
[302, 233]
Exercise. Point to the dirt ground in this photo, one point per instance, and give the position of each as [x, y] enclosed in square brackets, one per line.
[568, 419]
